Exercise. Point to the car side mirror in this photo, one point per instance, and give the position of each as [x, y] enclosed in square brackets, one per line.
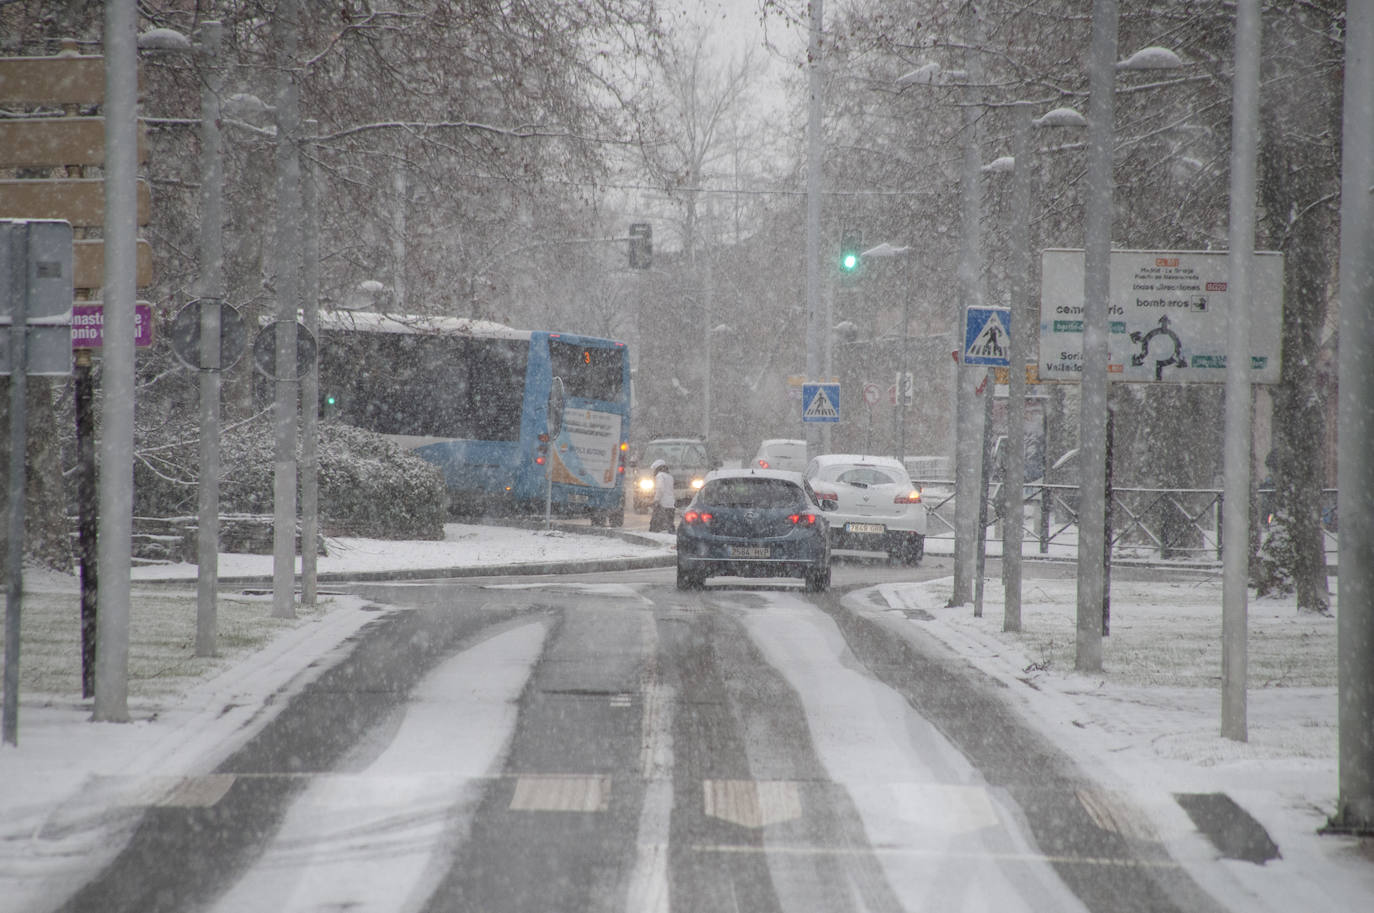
[828, 504]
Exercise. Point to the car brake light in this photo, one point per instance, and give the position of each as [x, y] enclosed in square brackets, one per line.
[799, 519]
[911, 497]
[763, 464]
[696, 516]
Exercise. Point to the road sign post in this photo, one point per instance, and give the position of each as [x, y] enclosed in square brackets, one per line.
[35, 285]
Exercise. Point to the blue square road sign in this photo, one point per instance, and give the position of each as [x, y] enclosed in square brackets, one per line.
[820, 402]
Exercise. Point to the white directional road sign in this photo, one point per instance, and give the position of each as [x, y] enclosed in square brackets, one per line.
[820, 402]
[987, 336]
[1166, 316]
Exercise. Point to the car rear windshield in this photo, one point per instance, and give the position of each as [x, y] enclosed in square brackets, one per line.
[865, 476]
[751, 492]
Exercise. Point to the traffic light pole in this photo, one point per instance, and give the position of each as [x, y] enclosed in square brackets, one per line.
[211, 292]
[813, 211]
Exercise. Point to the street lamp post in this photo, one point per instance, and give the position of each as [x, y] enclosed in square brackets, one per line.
[968, 431]
[1092, 414]
[1019, 345]
[288, 290]
[1093, 537]
[885, 251]
[1023, 317]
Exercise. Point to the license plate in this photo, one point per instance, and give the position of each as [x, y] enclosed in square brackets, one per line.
[577, 499]
[749, 551]
[865, 528]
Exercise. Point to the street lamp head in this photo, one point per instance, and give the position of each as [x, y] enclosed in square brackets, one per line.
[884, 250]
[1151, 58]
[1002, 165]
[1061, 117]
[930, 74]
[927, 74]
[846, 330]
[245, 106]
[163, 40]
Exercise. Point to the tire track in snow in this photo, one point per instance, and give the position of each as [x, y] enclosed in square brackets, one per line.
[375, 841]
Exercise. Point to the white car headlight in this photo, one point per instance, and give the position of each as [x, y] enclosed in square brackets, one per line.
[646, 484]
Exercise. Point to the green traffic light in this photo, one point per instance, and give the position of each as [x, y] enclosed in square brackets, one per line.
[849, 262]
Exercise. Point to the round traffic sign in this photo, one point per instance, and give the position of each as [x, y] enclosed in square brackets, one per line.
[185, 334]
[265, 351]
[871, 394]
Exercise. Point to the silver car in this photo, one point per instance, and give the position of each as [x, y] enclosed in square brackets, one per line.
[877, 507]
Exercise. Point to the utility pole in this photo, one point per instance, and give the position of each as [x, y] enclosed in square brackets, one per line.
[1355, 504]
[814, 164]
[1092, 410]
[211, 293]
[310, 382]
[120, 233]
[968, 431]
[1236, 481]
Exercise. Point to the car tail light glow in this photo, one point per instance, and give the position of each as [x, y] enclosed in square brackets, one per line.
[696, 516]
[803, 519]
[763, 464]
[911, 497]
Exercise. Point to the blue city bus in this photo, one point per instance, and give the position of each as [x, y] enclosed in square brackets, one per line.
[473, 398]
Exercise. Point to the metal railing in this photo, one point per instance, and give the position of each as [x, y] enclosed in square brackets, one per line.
[1164, 524]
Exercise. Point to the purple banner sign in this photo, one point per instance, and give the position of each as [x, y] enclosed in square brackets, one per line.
[88, 325]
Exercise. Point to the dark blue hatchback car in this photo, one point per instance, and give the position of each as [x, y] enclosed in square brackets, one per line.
[753, 523]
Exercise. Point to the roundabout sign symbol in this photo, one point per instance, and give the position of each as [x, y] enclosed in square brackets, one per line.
[1143, 340]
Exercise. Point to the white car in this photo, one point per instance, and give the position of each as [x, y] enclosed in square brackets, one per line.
[781, 453]
[875, 505]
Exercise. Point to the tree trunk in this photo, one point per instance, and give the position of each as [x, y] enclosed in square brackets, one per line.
[1298, 562]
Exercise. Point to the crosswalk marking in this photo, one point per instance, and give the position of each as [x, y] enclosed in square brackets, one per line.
[752, 803]
[561, 793]
[1101, 807]
[943, 853]
[169, 791]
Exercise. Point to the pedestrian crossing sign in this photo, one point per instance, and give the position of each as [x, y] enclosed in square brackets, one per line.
[820, 402]
[987, 337]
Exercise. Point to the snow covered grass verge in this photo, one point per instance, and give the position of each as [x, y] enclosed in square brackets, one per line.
[463, 545]
[72, 789]
[162, 633]
[1148, 726]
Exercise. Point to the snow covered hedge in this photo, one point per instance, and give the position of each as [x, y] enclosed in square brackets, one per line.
[368, 486]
